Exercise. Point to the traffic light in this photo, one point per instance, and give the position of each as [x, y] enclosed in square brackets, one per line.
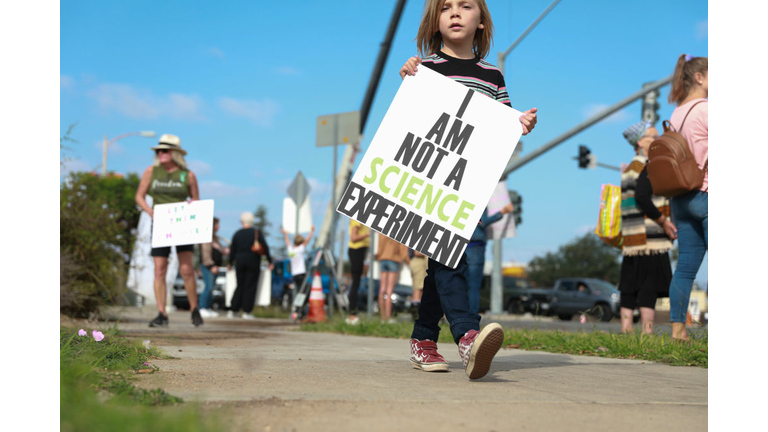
[650, 108]
[517, 203]
[583, 157]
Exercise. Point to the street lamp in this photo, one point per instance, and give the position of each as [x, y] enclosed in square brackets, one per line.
[145, 134]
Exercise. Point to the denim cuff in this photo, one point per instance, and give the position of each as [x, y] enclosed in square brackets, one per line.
[460, 326]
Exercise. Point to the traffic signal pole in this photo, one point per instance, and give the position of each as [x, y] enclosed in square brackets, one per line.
[584, 125]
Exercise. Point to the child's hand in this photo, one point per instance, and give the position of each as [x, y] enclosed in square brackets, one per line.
[409, 68]
[528, 120]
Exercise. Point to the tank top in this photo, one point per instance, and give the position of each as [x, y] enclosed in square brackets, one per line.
[168, 187]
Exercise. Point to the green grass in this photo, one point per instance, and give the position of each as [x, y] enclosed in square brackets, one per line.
[655, 348]
[96, 391]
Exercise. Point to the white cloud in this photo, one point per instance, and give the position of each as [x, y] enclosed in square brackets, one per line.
[584, 229]
[702, 30]
[259, 112]
[141, 104]
[216, 189]
[617, 117]
[73, 165]
[66, 82]
[215, 52]
[199, 167]
[287, 70]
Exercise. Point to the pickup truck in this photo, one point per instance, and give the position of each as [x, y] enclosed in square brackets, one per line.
[568, 297]
[572, 296]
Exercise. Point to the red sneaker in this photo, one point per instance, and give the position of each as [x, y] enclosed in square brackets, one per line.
[424, 356]
[477, 349]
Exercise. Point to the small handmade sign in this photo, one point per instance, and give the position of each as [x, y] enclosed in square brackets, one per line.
[182, 223]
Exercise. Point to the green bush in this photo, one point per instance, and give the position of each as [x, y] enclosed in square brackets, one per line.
[97, 231]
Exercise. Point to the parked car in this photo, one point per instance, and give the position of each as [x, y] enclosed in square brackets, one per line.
[599, 298]
[401, 297]
[518, 296]
[181, 301]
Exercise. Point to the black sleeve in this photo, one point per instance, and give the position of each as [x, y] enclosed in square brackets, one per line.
[232, 249]
[263, 242]
[643, 194]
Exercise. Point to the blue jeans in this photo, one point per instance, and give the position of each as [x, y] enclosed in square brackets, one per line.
[206, 298]
[689, 213]
[445, 293]
[476, 262]
[389, 266]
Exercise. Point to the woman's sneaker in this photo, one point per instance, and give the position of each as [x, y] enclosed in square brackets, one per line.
[197, 320]
[477, 349]
[208, 313]
[424, 356]
[160, 320]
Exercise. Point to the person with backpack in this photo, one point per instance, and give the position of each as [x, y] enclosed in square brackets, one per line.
[690, 209]
[647, 234]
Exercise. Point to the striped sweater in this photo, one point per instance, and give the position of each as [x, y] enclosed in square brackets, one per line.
[475, 73]
[641, 234]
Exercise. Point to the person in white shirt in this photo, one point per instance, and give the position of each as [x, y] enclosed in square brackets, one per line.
[296, 254]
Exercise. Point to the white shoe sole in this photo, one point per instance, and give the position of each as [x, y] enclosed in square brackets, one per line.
[430, 367]
[485, 347]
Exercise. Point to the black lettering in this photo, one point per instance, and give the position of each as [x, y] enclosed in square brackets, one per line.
[458, 252]
[347, 197]
[416, 234]
[380, 211]
[457, 137]
[407, 149]
[439, 128]
[408, 218]
[464, 104]
[423, 156]
[457, 174]
[393, 223]
[438, 159]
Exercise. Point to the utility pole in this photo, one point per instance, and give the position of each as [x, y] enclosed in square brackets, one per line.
[497, 290]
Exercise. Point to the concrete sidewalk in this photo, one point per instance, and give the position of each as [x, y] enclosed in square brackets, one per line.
[266, 376]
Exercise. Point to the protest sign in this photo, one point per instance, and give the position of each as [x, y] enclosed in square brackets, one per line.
[182, 223]
[289, 216]
[432, 165]
[505, 227]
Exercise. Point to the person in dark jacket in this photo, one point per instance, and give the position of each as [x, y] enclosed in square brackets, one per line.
[476, 255]
[247, 266]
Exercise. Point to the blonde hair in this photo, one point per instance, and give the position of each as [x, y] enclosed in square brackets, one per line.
[246, 218]
[177, 157]
[298, 239]
[429, 40]
[683, 78]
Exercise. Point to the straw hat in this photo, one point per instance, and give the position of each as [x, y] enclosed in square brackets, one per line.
[170, 142]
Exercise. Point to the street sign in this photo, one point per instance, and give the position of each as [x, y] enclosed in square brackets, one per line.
[338, 129]
[299, 189]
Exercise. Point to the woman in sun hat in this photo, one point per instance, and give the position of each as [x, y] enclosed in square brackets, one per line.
[647, 233]
[168, 180]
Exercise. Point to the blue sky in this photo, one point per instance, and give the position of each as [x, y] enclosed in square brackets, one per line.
[242, 83]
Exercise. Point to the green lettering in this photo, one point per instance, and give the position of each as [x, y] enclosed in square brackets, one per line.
[410, 190]
[461, 213]
[383, 180]
[440, 214]
[372, 178]
[400, 185]
[426, 195]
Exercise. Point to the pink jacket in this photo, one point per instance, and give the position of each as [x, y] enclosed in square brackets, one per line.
[696, 132]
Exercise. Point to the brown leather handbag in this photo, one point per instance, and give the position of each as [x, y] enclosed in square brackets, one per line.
[672, 169]
[256, 247]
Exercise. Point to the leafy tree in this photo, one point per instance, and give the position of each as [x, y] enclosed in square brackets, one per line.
[586, 256]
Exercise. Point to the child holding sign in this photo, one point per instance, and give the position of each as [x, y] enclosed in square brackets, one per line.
[458, 35]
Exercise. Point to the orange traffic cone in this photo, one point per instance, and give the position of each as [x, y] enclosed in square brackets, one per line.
[316, 301]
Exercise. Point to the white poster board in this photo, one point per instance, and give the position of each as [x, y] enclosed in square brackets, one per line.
[289, 216]
[264, 287]
[505, 227]
[182, 223]
[432, 165]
